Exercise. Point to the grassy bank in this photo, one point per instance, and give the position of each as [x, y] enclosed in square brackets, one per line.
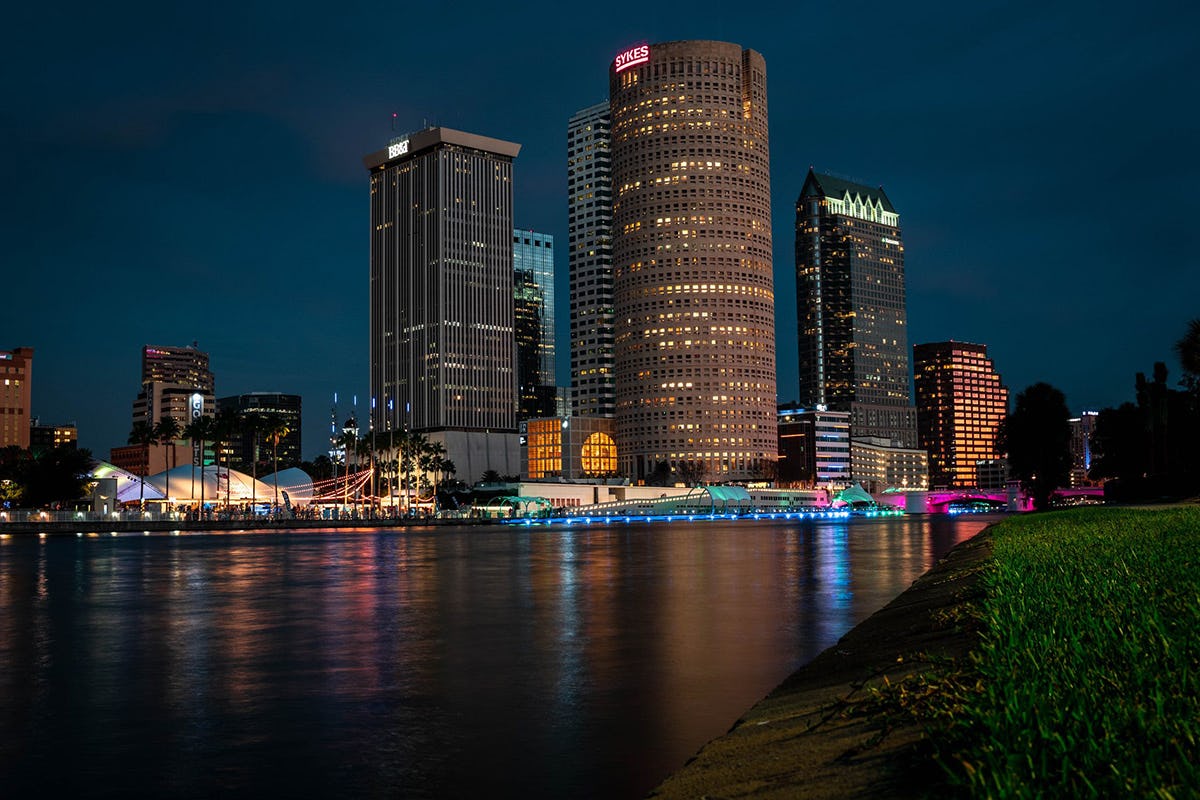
[1086, 679]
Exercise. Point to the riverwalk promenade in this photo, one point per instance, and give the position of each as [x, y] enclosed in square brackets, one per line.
[53, 527]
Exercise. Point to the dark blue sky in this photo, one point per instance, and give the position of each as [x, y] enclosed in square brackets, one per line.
[180, 172]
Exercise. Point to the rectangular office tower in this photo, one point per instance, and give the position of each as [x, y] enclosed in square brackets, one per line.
[589, 262]
[442, 352]
[172, 378]
[850, 302]
[533, 324]
[960, 405]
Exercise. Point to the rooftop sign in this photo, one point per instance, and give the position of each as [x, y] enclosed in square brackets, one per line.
[632, 57]
[397, 148]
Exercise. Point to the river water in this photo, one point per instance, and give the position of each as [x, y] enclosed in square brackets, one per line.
[582, 661]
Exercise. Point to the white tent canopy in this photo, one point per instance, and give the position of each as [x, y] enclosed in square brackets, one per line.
[129, 486]
[294, 481]
[186, 483]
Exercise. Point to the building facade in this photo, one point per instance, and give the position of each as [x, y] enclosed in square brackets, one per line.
[442, 357]
[991, 474]
[814, 447]
[850, 303]
[693, 291]
[171, 378]
[533, 324]
[16, 396]
[142, 459]
[960, 405]
[570, 448]
[1083, 428]
[250, 451]
[589, 262]
[43, 438]
[879, 465]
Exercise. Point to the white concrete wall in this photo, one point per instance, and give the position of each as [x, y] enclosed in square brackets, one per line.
[475, 453]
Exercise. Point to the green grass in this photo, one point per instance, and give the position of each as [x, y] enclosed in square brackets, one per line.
[1086, 681]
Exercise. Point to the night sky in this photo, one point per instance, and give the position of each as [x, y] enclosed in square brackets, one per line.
[180, 172]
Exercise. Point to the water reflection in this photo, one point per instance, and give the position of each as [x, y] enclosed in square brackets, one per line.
[583, 662]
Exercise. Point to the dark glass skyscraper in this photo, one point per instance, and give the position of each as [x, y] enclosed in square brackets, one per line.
[851, 305]
[533, 323]
[442, 355]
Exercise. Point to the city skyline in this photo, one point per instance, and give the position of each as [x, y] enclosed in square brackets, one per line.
[226, 205]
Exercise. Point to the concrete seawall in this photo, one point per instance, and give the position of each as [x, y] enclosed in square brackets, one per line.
[808, 738]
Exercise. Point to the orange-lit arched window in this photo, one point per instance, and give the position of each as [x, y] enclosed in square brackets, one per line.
[599, 455]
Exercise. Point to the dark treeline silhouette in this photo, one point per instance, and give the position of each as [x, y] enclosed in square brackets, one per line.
[1146, 450]
[41, 478]
[1037, 438]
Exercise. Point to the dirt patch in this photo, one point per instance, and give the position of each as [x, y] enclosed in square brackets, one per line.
[813, 738]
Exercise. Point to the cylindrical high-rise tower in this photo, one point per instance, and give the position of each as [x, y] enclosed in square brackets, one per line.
[694, 304]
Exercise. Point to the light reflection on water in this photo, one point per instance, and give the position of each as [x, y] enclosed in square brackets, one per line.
[582, 661]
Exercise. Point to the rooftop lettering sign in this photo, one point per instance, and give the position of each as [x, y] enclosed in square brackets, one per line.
[632, 57]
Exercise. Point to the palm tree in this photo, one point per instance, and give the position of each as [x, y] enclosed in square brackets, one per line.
[225, 427]
[168, 432]
[411, 446]
[366, 447]
[200, 431]
[432, 455]
[254, 425]
[143, 435]
[275, 430]
[1188, 350]
[446, 468]
[390, 471]
[348, 441]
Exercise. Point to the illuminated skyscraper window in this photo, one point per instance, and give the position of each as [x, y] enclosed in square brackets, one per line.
[442, 357]
[693, 292]
[16, 392]
[850, 300]
[589, 262]
[533, 322]
[960, 405]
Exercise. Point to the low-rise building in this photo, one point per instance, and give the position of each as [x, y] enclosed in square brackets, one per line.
[568, 448]
[48, 437]
[879, 466]
[814, 447]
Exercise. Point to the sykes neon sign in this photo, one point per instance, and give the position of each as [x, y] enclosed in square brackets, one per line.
[632, 57]
[397, 148]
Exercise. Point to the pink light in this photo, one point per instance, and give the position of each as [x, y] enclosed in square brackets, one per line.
[632, 57]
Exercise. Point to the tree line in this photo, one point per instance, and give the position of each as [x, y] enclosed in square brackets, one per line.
[1143, 450]
[37, 478]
